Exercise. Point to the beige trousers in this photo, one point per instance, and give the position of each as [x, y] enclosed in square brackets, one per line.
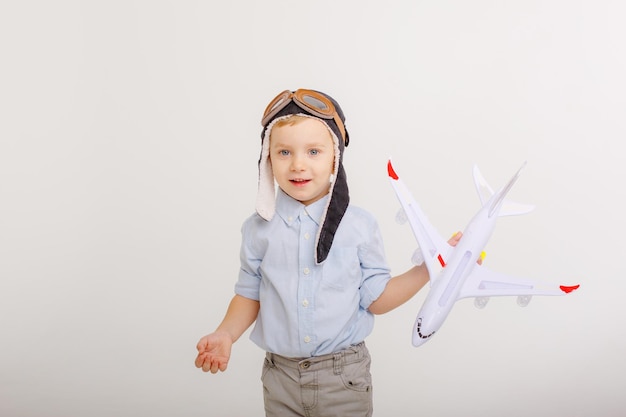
[338, 384]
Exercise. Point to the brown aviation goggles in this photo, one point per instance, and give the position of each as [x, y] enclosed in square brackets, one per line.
[311, 101]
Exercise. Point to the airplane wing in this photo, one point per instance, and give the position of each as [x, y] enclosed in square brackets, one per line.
[483, 282]
[434, 248]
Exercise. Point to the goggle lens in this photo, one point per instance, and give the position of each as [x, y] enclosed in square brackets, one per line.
[315, 104]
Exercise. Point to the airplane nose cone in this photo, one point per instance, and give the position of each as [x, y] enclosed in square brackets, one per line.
[420, 334]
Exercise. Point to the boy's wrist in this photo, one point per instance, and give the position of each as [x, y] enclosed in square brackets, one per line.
[220, 331]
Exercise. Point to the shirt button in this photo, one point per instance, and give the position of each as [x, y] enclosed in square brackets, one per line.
[306, 271]
[307, 339]
[307, 236]
[305, 303]
[289, 219]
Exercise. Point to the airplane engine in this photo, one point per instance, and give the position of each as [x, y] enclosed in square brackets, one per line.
[481, 302]
[523, 300]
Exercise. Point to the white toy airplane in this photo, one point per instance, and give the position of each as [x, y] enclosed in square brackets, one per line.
[454, 272]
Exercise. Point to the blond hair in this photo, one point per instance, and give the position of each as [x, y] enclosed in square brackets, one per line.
[290, 120]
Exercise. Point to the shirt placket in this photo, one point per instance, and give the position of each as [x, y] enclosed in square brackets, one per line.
[306, 295]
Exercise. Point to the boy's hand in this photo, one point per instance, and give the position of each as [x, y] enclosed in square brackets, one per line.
[214, 352]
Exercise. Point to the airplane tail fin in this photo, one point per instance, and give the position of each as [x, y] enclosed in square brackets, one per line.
[485, 192]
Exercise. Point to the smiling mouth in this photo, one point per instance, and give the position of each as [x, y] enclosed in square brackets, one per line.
[299, 181]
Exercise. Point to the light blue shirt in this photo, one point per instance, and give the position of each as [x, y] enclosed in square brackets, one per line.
[309, 309]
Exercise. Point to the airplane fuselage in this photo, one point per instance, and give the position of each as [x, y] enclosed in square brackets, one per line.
[447, 285]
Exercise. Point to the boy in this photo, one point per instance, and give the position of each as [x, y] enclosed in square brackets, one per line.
[313, 271]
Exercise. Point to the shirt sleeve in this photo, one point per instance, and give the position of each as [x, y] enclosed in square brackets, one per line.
[249, 281]
[374, 268]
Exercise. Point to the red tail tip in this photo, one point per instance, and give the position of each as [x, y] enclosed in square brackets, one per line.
[569, 289]
[391, 172]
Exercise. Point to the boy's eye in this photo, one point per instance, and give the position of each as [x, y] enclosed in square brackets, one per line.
[283, 152]
[314, 151]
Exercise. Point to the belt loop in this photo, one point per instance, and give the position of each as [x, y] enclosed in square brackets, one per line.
[360, 350]
[338, 363]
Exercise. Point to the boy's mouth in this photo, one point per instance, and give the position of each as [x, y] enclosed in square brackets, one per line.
[299, 181]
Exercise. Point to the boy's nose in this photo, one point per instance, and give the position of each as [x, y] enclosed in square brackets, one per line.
[297, 163]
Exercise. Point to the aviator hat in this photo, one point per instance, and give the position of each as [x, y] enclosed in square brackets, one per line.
[338, 193]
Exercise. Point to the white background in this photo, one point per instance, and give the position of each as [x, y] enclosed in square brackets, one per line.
[129, 141]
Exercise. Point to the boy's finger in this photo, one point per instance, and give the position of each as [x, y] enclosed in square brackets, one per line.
[214, 366]
[202, 345]
[455, 238]
[200, 360]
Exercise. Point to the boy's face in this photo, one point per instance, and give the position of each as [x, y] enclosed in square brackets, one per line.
[302, 157]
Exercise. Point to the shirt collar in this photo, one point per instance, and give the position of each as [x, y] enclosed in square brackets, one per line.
[289, 209]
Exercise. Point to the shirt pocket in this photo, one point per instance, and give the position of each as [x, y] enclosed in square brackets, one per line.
[342, 269]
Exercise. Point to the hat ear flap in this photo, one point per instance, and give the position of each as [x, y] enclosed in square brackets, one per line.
[266, 195]
[338, 204]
